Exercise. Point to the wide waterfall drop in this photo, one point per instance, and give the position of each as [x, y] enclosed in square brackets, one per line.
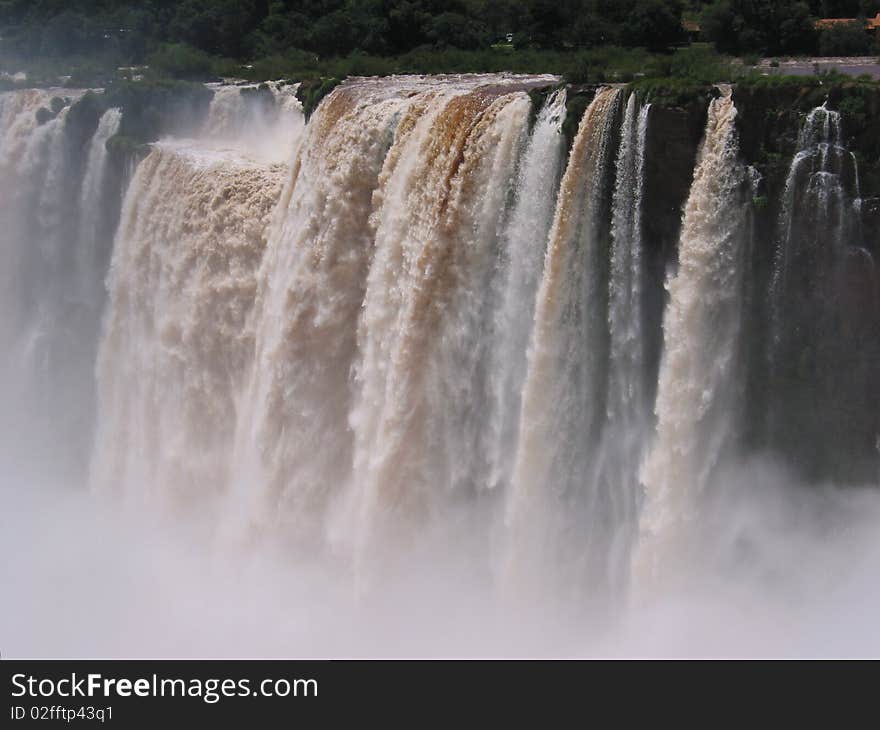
[556, 534]
[419, 418]
[522, 257]
[467, 364]
[293, 441]
[50, 162]
[177, 339]
[699, 382]
[179, 332]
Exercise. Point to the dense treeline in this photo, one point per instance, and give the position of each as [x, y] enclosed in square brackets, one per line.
[190, 38]
[256, 28]
[787, 27]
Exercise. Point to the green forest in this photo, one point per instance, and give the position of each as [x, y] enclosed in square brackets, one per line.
[198, 39]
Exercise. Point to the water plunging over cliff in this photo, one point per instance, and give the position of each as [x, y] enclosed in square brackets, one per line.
[52, 182]
[554, 514]
[522, 259]
[820, 304]
[700, 382]
[177, 339]
[412, 343]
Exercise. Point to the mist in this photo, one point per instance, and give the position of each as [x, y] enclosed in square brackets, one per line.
[783, 572]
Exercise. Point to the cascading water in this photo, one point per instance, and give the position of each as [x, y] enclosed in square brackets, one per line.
[294, 445]
[820, 206]
[554, 519]
[18, 113]
[51, 291]
[361, 258]
[522, 256]
[179, 335]
[418, 419]
[92, 233]
[699, 379]
[628, 408]
[815, 326]
[265, 120]
[34, 163]
[176, 342]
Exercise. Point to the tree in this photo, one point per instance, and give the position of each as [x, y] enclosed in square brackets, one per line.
[845, 39]
[593, 30]
[67, 34]
[760, 26]
[215, 26]
[656, 24]
[721, 25]
[181, 61]
[547, 21]
[454, 29]
[796, 31]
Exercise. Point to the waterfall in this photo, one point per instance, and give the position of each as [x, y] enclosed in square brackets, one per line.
[522, 255]
[818, 215]
[177, 339]
[423, 335]
[699, 381]
[18, 112]
[626, 380]
[179, 334]
[47, 329]
[820, 311]
[263, 119]
[554, 521]
[181, 324]
[381, 247]
[90, 257]
[294, 444]
[627, 409]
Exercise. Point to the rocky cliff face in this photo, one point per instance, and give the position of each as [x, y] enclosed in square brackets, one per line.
[674, 136]
[818, 383]
[826, 373]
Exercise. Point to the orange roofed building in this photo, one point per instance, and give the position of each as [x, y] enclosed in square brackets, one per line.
[872, 25]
